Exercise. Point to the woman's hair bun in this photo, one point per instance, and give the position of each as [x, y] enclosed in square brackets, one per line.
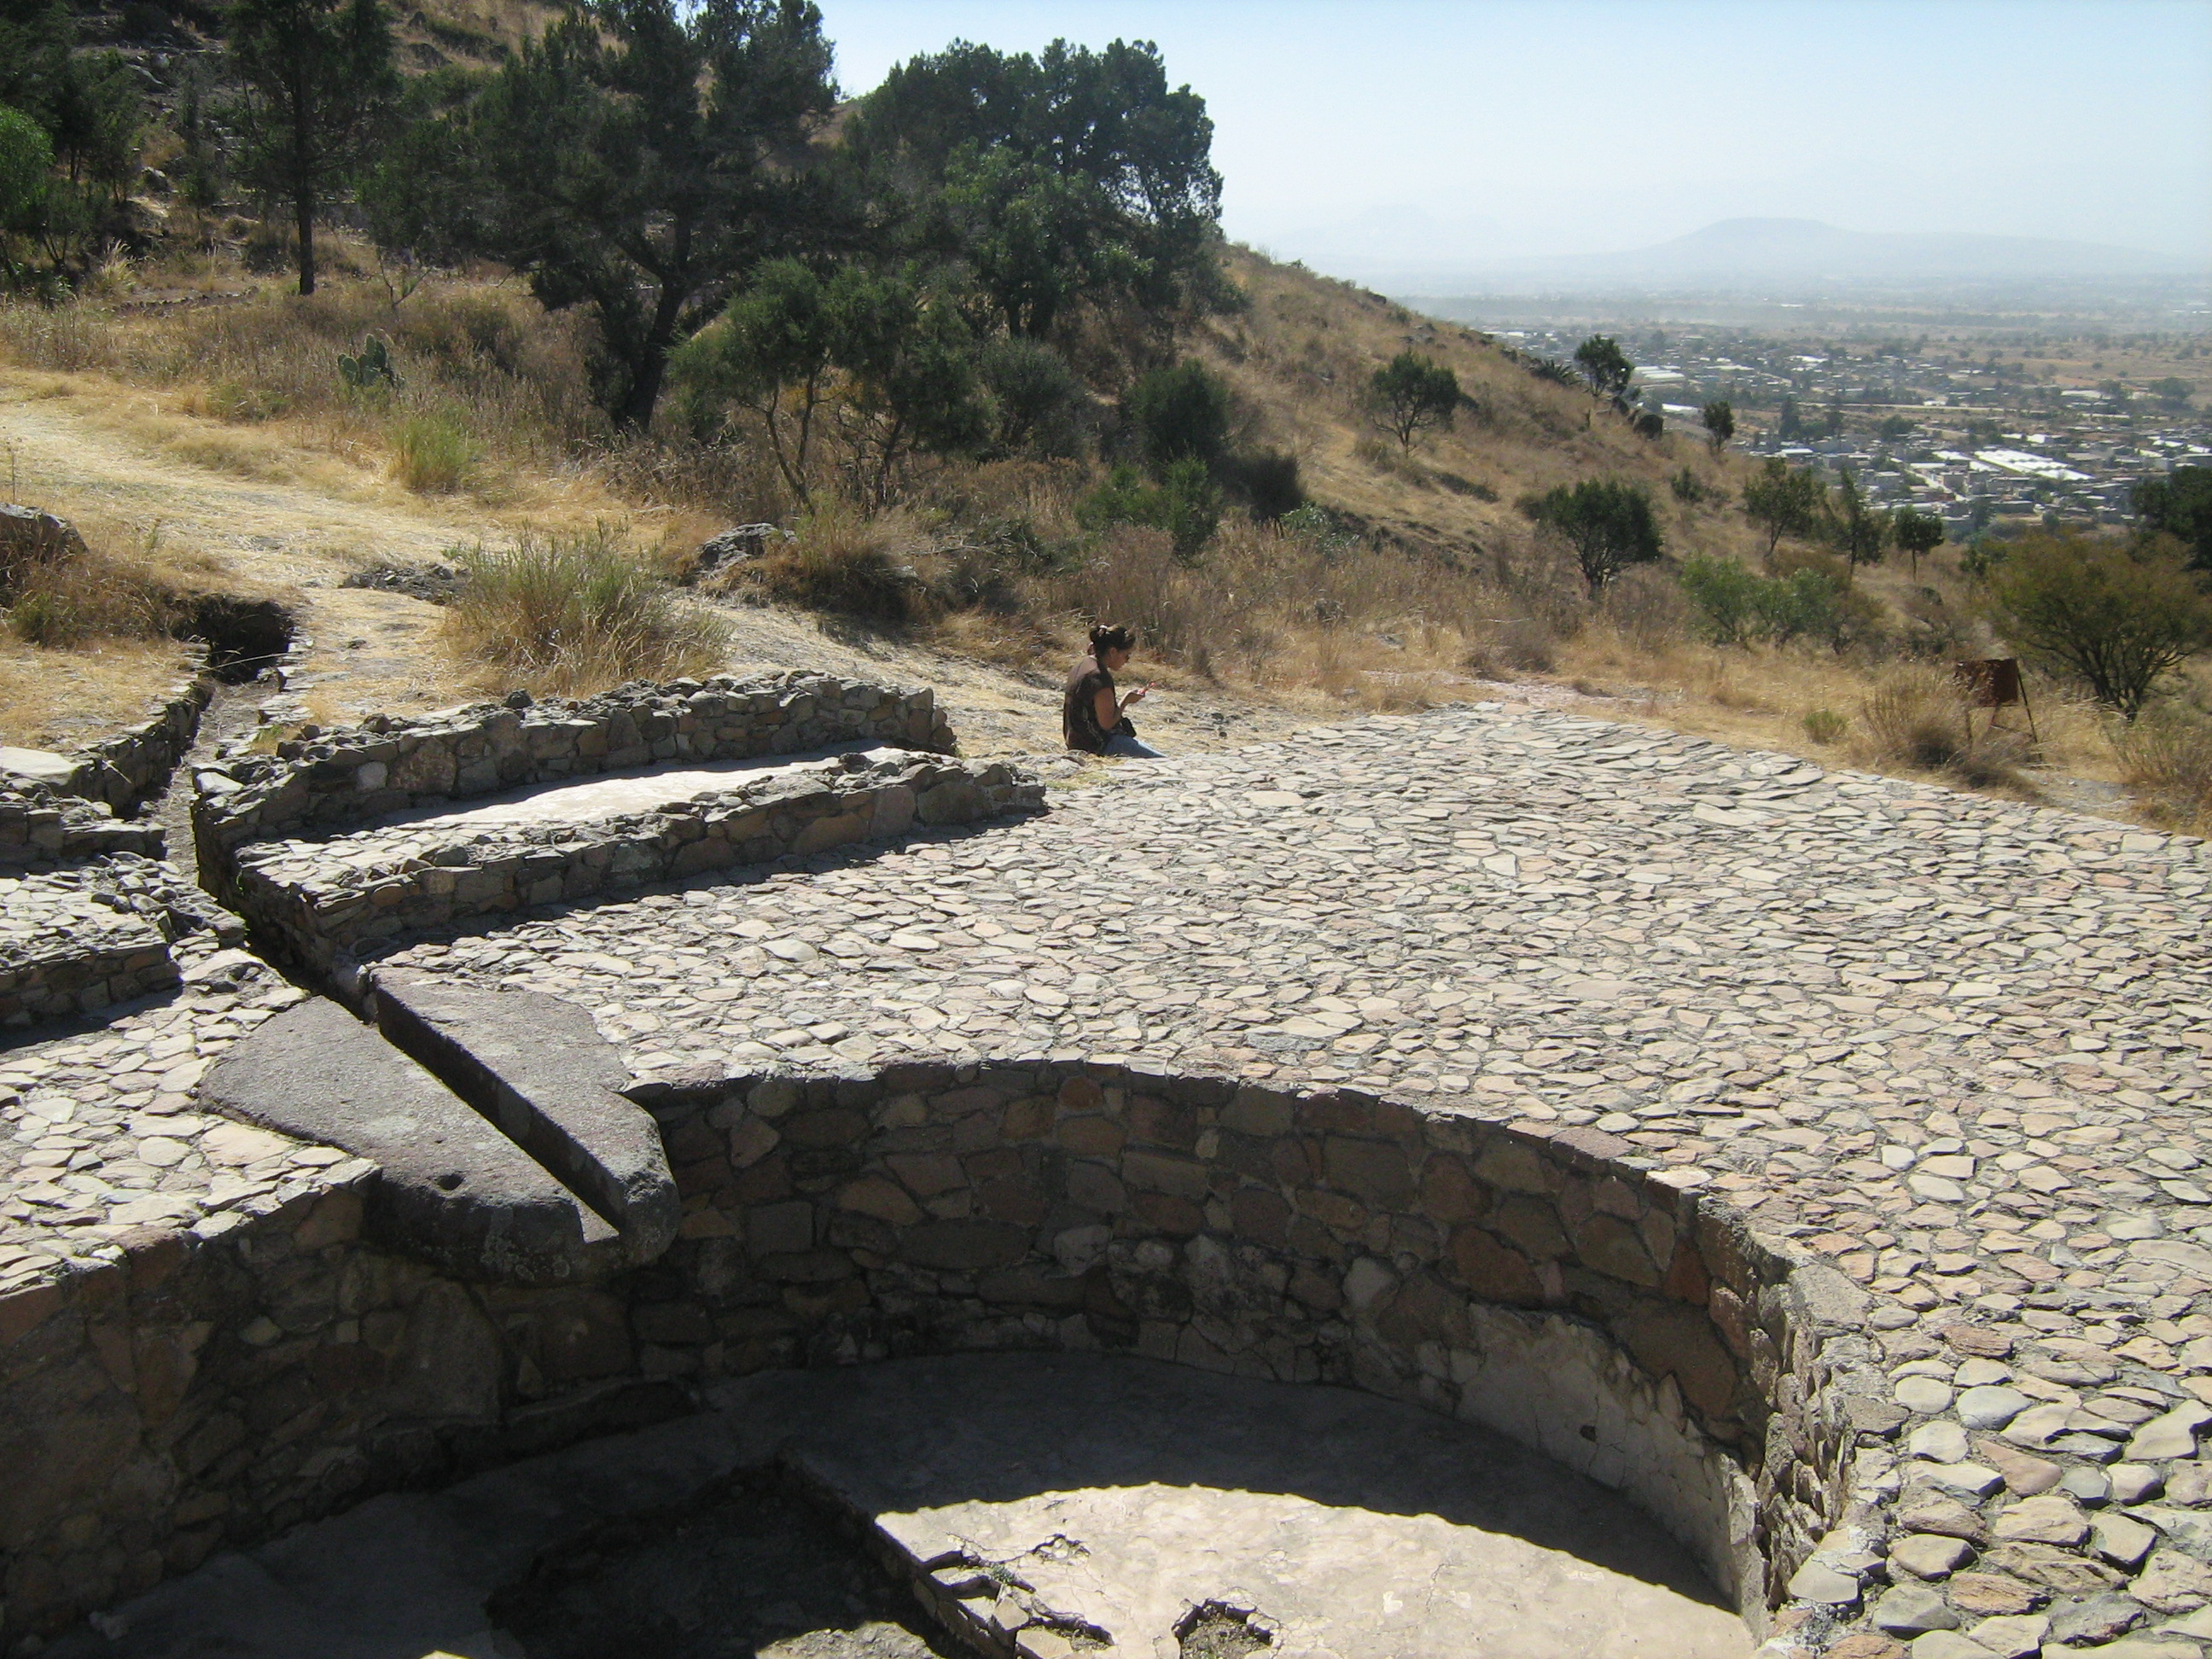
[1118, 637]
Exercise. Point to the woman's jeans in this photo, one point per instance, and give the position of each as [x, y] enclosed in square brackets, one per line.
[1129, 742]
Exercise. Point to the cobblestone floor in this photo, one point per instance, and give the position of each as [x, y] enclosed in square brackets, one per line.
[1956, 1045]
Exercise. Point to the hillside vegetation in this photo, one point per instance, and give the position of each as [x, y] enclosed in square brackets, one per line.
[993, 400]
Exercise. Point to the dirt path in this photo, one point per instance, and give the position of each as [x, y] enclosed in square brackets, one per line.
[113, 460]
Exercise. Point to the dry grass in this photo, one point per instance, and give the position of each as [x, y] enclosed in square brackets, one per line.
[2167, 758]
[57, 699]
[576, 614]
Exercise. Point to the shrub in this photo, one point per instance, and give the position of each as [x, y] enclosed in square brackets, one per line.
[1608, 523]
[1185, 504]
[1041, 401]
[843, 562]
[432, 454]
[2118, 618]
[1180, 414]
[1268, 481]
[1688, 488]
[1727, 597]
[1824, 726]
[576, 614]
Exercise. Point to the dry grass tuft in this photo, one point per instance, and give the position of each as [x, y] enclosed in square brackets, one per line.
[576, 614]
[2167, 759]
[845, 562]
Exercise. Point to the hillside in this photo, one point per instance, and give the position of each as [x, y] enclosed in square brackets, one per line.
[215, 433]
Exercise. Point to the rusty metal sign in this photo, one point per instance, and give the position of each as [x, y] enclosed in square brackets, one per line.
[1990, 682]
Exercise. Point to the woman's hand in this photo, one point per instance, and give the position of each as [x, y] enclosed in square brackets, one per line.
[1137, 695]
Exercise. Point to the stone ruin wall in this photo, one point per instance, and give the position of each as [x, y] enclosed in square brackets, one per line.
[391, 763]
[208, 1389]
[328, 904]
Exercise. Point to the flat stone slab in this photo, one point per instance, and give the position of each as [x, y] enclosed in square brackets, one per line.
[1107, 1498]
[450, 1186]
[584, 800]
[537, 1065]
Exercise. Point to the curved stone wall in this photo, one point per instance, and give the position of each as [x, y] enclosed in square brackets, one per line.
[211, 1386]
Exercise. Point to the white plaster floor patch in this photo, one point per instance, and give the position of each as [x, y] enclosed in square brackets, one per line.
[1114, 1495]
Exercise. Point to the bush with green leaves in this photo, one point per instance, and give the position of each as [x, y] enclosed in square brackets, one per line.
[2180, 505]
[1609, 524]
[1605, 365]
[1783, 501]
[2119, 617]
[1185, 503]
[1739, 607]
[1039, 404]
[1179, 414]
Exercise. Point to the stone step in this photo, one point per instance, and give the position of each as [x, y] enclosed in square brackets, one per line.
[536, 1066]
[451, 1188]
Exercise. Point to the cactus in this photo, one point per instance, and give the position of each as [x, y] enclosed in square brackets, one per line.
[371, 370]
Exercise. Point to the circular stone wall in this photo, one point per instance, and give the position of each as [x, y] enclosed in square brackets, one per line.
[1532, 1280]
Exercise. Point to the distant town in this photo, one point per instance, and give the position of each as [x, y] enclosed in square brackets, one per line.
[1986, 437]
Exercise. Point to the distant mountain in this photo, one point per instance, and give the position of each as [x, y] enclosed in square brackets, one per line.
[1767, 253]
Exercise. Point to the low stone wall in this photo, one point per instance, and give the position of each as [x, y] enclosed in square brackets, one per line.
[128, 769]
[212, 1386]
[41, 829]
[326, 782]
[328, 902]
[81, 939]
[64, 954]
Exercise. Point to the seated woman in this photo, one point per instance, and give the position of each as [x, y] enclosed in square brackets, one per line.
[1090, 717]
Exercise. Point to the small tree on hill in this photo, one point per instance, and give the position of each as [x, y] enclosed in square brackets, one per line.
[1605, 365]
[1860, 533]
[1784, 501]
[2118, 618]
[1917, 533]
[1411, 395]
[1719, 417]
[317, 77]
[1610, 525]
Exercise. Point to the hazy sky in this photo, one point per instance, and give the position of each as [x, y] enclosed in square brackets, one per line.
[1547, 126]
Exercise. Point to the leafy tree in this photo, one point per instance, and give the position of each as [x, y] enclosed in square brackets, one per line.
[1072, 176]
[1605, 365]
[1792, 424]
[1719, 417]
[2117, 618]
[317, 76]
[1917, 533]
[911, 383]
[772, 352]
[891, 364]
[1411, 395]
[26, 165]
[2172, 392]
[1739, 605]
[636, 160]
[88, 103]
[2180, 506]
[1180, 414]
[1609, 524]
[1783, 500]
[1860, 533]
